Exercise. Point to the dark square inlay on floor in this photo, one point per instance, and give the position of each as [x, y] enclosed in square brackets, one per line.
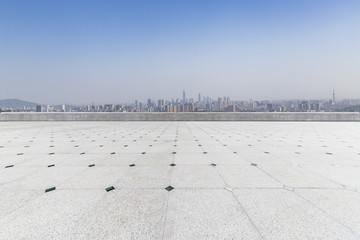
[50, 189]
[169, 188]
[108, 189]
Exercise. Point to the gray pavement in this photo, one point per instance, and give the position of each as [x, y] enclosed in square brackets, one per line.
[231, 180]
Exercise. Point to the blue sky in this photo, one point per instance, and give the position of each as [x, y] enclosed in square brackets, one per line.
[118, 51]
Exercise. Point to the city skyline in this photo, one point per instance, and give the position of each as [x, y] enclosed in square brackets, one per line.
[185, 96]
[68, 51]
[187, 103]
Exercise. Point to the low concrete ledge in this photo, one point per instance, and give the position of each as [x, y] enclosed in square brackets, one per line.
[193, 116]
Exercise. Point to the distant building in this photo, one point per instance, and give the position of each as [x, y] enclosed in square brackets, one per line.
[188, 107]
[169, 108]
[228, 101]
[304, 106]
[108, 108]
[230, 108]
[38, 108]
[255, 104]
[161, 102]
[315, 106]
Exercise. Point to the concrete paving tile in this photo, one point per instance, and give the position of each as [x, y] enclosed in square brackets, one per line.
[51, 216]
[340, 174]
[206, 214]
[196, 177]
[43, 178]
[247, 177]
[125, 214]
[342, 204]
[145, 177]
[297, 177]
[98, 177]
[154, 159]
[12, 200]
[282, 214]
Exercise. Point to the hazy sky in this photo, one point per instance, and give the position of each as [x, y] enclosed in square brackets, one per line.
[118, 51]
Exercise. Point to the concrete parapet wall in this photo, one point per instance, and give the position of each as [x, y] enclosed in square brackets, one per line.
[194, 116]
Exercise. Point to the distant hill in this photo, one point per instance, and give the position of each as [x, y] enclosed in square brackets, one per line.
[16, 104]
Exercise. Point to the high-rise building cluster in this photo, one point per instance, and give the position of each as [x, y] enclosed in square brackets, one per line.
[206, 104]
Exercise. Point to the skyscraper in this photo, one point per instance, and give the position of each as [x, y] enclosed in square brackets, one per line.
[333, 102]
[38, 108]
[184, 96]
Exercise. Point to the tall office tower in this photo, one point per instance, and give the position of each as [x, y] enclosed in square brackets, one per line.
[136, 104]
[199, 98]
[149, 103]
[38, 108]
[333, 102]
[228, 100]
[184, 96]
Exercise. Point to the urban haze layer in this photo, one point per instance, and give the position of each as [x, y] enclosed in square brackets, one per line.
[190, 104]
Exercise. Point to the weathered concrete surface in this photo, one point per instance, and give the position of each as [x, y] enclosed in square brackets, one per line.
[209, 116]
[232, 180]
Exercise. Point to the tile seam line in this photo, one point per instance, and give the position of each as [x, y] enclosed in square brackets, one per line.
[22, 206]
[240, 205]
[165, 217]
[312, 171]
[321, 175]
[91, 208]
[247, 215]
[328, 214]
